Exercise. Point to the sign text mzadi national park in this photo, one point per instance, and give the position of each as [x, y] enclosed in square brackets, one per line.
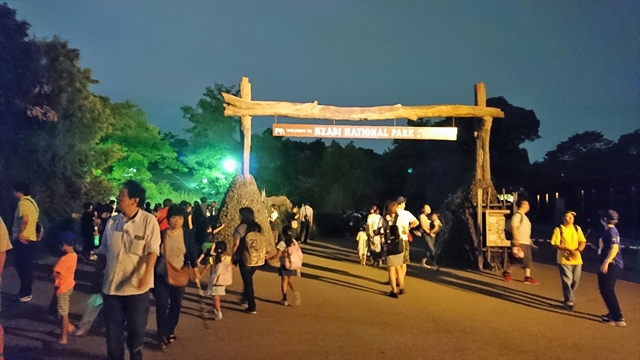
[365, 132]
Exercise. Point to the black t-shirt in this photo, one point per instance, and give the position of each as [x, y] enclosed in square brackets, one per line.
[87, 223]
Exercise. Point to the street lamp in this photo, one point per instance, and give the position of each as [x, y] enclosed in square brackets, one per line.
[229, 165]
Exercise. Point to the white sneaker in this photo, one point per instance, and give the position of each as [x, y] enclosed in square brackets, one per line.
[298, 299]
[25, 298]
[217, 314]
[284, 302]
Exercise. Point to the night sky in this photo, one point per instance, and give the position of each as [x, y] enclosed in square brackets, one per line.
[576, 64]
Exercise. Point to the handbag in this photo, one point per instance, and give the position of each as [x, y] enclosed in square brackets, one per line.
[175, 277]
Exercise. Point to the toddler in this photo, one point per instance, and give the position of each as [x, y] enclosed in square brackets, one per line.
[221, 276]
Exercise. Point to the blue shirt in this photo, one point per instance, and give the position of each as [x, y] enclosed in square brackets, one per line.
[611, 237]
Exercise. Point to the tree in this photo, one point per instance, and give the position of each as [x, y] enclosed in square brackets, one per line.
[138, 148]
[581, 155]
[213, 139]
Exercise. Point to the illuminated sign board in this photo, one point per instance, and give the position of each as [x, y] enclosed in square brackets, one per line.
[366, 132]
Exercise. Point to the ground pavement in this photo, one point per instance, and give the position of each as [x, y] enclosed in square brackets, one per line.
[345, 315]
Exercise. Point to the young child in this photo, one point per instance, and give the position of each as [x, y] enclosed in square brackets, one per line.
[363, 244]
[221, 276]
[286, 240]
[206, 258]
[63, 274]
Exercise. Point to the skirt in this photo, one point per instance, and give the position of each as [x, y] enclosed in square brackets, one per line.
[395, 260]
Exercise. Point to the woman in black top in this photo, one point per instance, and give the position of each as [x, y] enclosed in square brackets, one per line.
[247, 224]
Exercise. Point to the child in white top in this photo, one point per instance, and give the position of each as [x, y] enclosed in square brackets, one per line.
[221, 276]
[363, 244]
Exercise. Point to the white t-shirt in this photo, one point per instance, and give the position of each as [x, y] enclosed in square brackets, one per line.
[308, 211]
[274, 215]
[523, 227]
[373, 221]
[405, 218]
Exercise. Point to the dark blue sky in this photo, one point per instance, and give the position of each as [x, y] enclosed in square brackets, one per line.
[576, 64]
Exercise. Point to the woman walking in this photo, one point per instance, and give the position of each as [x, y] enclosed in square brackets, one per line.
[247, 225]
[177, 250]
[611, 269]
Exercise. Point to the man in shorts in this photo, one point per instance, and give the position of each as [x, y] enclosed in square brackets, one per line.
[521, 229]
[406, 221]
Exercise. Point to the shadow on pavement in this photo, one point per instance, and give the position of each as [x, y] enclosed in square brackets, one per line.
[499, 292]
[452, 280]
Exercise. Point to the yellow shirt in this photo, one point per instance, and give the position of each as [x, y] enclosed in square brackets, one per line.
[26, 207]
[570, 239]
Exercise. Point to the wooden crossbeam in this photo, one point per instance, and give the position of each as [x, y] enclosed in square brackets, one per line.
[236, 106]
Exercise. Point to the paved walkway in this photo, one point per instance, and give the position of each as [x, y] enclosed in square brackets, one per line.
[345, 315]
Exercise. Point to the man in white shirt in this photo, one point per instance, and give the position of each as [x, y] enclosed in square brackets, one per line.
[306, 222]
[520, 227]
[128, 254]
[406, 221]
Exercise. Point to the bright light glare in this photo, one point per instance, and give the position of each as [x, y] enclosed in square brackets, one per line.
[204, 181]
[229, 165]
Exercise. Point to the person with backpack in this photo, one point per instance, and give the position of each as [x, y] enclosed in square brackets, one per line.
[177, 252]
[394, 244]
[290, 256]
[25, 234]
[250, 252]
[520, 229]
[570, 242]
[221, 276]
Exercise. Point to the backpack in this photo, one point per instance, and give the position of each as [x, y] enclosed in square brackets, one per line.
[223, 274]
[560, 229]
[507, 227]
[392, 236]
[293, 258]
[255, 249]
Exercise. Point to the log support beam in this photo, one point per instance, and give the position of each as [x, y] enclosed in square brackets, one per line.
[242, 107]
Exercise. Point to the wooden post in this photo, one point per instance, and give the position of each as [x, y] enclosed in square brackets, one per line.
[479, 230]
[483, 164]
[245, 121]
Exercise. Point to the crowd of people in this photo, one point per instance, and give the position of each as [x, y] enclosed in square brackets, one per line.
[138, 251]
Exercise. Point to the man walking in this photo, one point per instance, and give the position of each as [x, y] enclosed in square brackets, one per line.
[570, 241]
[406, 221]
[127, 256]
[25, 234]
[306, 222]
[520, 227]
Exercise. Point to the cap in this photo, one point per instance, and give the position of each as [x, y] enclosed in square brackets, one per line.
[401, 200]
[571, 212]
[67, 238]
[611, 215]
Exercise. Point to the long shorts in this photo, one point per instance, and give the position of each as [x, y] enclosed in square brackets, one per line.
[407, 251]
[526, 262]
[64, 300]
